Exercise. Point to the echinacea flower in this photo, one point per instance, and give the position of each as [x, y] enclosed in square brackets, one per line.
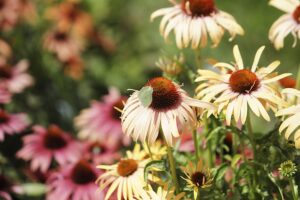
[27, 10]
[291, 126]
[5, 95]
[287, 23]
[197, 176]
[74, 182]
[171, 66]
[15, 78]
[74, 67]
[64, 44]
[101, 122]
[45, 145]
[155, 151]
[11, 124]
[236, 87]
[7, 187]
[164, 193]
[100, 152]
[287, 82]
[5, 52]
[165, 105]
[8, 14]
[70, 17]
[126, 177]
[287, 169]
[193, 20]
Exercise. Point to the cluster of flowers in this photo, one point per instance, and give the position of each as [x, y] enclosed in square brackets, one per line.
[157, 115]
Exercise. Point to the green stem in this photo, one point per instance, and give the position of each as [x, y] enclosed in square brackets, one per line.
[151, 155]
[198, 194]
[292, 185]
[196, 144]
[251, 136]
[173, 168]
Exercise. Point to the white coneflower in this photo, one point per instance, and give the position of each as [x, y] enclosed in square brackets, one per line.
[165, 105]
[291, 125]
[235, 88]
[193, 20]
[126, 177]
[287, 23]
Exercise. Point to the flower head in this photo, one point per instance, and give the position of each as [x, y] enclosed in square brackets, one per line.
[193, 20]
[77, 181]
[7, 187]
[126, 177]
[70, 17]
[287, 23]
[161, 103]
[12, 123]
[291, 126]
[235, 88]
[15, 78]
[64, 44]
[164, 193]
[100, 152]
[101, 122]
[287, 168]
[171, 66]
[197, 176]
[45, 145]
[8, 14]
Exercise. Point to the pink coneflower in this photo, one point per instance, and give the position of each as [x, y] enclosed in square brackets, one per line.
[7, 187]
[5, 96]
[45, 145]
[15, 78]
[74, 182]
[63, 44]
[100, 153]
[101, 122]
[12, 123]
[8, 14]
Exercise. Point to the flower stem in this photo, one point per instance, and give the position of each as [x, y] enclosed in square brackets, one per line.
[292, 185]
[251, 136]
[173, 168]
[196, 144]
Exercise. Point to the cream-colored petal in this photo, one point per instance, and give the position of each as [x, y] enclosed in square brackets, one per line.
[256, 58]
[238, 57]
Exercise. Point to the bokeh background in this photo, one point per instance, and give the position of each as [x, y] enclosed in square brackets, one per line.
[128, 59]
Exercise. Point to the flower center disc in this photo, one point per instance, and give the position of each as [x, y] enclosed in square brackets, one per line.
[5, 72]
[54, 138]
[116, 114]
[3, 117]
[288, 82]
[165, 95]
[243, 81]
[296, 14]
[60, 36]
[198, 178]
[127, 167]
[83, 173]
[199, 7]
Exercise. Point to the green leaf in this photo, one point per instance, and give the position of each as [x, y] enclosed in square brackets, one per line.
[235, 160]
[34, 189]
[145, 95]
[154, 165]
[220, 172]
